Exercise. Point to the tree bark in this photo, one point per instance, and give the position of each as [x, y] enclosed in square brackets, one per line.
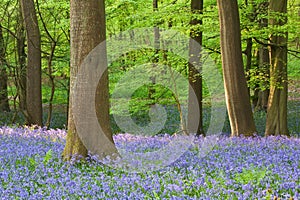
[34, 91]
[248, 53]
[20, 76]
[276, 123]
[248, 50]
[236, 93]
[4, 106]
[87, 31]
[195, 77]
[155, 60]
[298, 38]
[262, 94]
[263, 64]
[53, 45]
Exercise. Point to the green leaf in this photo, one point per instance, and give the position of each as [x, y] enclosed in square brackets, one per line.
[47, 157]
[32, 164]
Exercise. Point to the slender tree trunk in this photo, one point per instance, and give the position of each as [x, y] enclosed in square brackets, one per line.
[264, 66]
[195, 77]
[20, 71]
[248, 53]
[298, 38]
[262, 94]
[249, 47]
[237, 98]
[52, 83]
[4, 106]
[87, 31]
[277, 105]
[49, 64]
[33, 87]
[155, 60]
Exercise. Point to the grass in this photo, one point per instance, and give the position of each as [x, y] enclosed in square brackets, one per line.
[293, 67]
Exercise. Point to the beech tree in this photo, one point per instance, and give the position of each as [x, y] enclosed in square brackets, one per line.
[195, 77]
[262, 94]
[20, 72]
[33, 111]
[276, 123]
[155, 60]
[4, 106]
[87, 31]
[236, 91]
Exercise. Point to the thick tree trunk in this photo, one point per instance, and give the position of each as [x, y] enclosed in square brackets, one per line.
[277, 105]
[195, 77]
[34, 91]
[237, 98]
[87, 31]
[4, 106]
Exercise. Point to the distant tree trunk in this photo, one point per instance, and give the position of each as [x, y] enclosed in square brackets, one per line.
[262, 94]
[276, 123]
[155, 60]
[248, 52]
[20, 78]
[33, 87]
[237, 98]
[4, 106]
[298, 38]
[49, 65]
[87, 31]
[195, 77]
[52, 83]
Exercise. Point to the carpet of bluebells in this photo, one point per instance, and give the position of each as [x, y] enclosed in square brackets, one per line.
[237, 168]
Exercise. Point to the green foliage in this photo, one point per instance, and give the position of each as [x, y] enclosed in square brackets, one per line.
[55, 15]
[258, 78]
[293, 67]
[47, 157]
[129, 14]
[30, 162]
[253, 175]
[60, 94]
